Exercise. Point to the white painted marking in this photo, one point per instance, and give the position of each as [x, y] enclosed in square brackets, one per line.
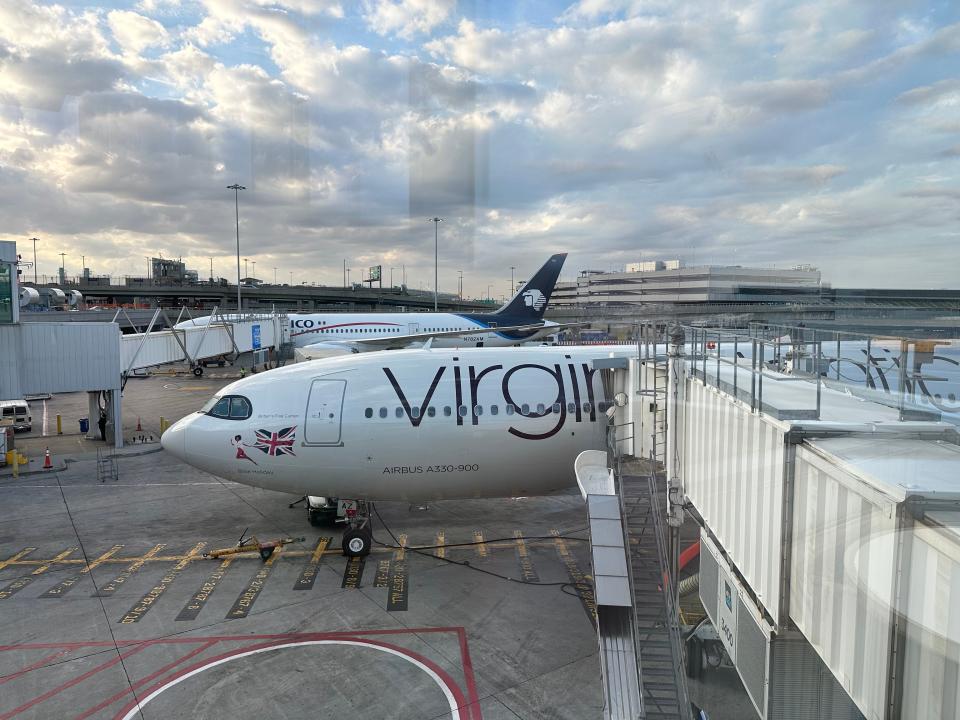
[454, 710]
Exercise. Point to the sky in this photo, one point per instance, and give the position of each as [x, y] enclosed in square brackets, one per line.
[761, 133]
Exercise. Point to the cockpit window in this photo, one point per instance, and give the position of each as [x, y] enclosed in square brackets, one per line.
[229, 407]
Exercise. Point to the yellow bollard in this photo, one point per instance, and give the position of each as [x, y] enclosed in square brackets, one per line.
[59, 425]
[163, 424]
[16, 464]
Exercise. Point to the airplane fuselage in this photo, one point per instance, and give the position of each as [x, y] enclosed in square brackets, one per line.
[312, 328]
[406, 425]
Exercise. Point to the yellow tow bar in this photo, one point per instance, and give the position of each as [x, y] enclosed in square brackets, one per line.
[251, 544]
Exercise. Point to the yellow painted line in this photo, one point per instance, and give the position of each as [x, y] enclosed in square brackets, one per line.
[139, 563]
[401, 553]
[319, 550]
[481, 544]
[192, 555]
[13, 558]
[100, 560]
[441, 540]
[59, 558]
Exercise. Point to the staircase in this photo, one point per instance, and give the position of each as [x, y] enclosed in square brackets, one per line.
[662, 676]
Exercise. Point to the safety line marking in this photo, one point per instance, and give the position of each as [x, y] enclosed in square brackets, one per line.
[353, 573]
[580, 582]
[527, 570]
[111, 587]
[142, 607]
[244, 602]
[383, 572]
[441, 551]
[13, 558]
[309, 573]
[398, 585]
[100, 560]
[43, 568]
[15, 586]
[481, 545]
[195, 604]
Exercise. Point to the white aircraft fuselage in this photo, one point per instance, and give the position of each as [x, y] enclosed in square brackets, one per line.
[406, 425]
[315, 328]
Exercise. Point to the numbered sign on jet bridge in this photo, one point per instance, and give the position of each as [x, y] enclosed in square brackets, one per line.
[255, 337]
[324, 409]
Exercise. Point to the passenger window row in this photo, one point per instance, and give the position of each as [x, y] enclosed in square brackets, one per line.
[464, 410]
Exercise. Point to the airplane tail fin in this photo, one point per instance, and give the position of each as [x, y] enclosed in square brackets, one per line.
[531, 300]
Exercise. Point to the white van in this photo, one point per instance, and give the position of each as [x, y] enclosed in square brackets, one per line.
[16, 413]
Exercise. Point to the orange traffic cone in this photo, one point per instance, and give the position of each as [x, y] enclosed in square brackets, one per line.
[47, 462]
[139, 429]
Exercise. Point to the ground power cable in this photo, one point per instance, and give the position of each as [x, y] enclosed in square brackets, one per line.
[466, 563]
[103, 607]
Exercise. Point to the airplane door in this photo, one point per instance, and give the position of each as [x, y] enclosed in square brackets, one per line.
[413, 328]
[324, 412]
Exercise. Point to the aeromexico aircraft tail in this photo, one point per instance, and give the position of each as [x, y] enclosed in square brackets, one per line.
[530, 302]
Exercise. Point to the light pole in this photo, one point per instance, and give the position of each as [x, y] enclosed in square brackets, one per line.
[236, 187]
[211, 270]
[344, 273]
[391, 278]
[488, 292]
[436, 225]
[246, 273]
[34, 240]
[348, 278]
[460, 286]
[254, 263]
[274, 276]
[511, 280]
[63, 272]
[291, 277]
[149, 268]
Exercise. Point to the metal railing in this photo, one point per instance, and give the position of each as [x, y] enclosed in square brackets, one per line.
[804, 360]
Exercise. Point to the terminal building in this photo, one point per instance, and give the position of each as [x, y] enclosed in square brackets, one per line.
[737, 296]
[669, 281]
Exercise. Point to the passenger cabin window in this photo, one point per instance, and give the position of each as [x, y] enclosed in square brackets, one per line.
[368, 413]
[383, 412]
[525, 409]
[229, 407]
[431, 411]
[446, 411]
[494, 409]
[399, 412]
[510, 410]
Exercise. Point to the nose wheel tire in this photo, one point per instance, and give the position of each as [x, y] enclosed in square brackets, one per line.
[357, 542]
[198, 370]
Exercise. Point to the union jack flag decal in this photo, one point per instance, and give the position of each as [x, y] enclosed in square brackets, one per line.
[278, 442]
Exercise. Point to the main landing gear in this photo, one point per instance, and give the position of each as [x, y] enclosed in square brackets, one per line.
[358, 536]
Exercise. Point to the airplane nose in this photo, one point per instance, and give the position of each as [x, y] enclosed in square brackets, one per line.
[174, 439]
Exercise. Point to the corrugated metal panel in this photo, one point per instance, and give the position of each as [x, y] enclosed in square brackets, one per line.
[619, 664]
[59, 357]
[801, 686]
[843, 573]
[733, 474]
[931, 675]
[709, 577]
[752, 640]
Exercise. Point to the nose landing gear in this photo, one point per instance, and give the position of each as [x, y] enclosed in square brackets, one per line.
[358, 536]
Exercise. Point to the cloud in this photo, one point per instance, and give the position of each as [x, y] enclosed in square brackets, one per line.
[406, 18]
[134, 32]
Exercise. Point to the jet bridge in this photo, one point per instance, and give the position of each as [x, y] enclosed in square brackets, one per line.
[219, 337]
[830, 561]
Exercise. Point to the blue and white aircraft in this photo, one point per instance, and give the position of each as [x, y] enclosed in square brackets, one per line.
[520, 320]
